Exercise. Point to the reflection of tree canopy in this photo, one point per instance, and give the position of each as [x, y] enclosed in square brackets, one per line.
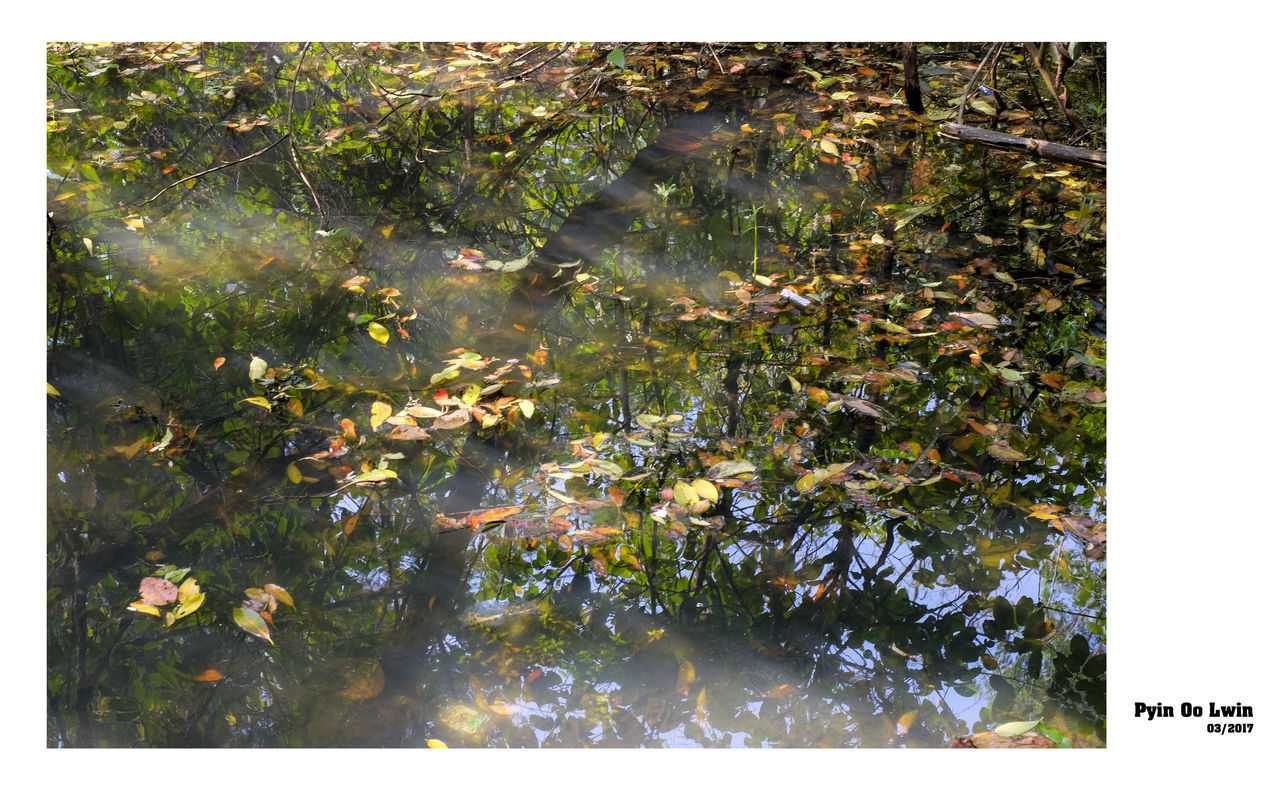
[808, 449]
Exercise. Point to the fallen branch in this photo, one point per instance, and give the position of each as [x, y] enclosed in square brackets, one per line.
[283, 138]
[1012, 143]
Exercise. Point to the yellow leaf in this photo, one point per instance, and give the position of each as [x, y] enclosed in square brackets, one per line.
[293, 473]
[143, 606]
[188, 605]
[386, 231]
[189, 588]
[48, 387]
[261, 402]
[280, 593]
[685, 493]
[379, 332]
[378, 414]
[706, 490]
[436, 744]
[377, 475]
[828, 147]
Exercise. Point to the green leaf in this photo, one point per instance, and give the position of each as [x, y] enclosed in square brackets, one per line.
[685, 493]
[618, 58]
[379, 332]
[252, 622]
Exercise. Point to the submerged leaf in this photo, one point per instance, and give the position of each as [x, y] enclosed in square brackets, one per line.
[379, 332]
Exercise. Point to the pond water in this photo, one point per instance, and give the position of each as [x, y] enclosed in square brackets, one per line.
[568, 395]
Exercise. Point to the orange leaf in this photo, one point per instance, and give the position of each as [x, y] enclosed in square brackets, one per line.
[349, 429]
[207, 675]
[219, 361]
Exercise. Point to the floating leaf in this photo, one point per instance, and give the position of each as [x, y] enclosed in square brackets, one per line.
[731, 468]
[828, 147]
[157, 592]
[189, 588]
[188, 605]
[685, 493]
[348, 429]
[706, 490]
[617, 57]
[208, 676]
[261, 402]
[436, 744]
[378, 413]
[376, 475]
[257, 368]
[494, 514]
[379, 332]
[409, 433]
[452, 419]
[143, 606]
[280, 593]
[1010, 729]
[977, 318]
[252, 622]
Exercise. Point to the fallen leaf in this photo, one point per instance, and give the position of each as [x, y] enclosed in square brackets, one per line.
[257, 368]
[157, 592]
[378, 413]
[280, 593]
[207, 676]
[977, 318]
[252, 622]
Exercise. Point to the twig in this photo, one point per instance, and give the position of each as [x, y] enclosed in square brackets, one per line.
[993, 50]
[538, 66]
[293, 150]
[1064, 100]
[215, 168]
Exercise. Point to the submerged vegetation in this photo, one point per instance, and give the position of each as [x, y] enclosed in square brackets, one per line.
[574, 394]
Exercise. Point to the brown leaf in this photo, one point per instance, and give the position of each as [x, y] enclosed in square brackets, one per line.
[158, 592]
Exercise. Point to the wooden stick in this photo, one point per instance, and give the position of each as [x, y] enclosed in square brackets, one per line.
[1012, 143]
